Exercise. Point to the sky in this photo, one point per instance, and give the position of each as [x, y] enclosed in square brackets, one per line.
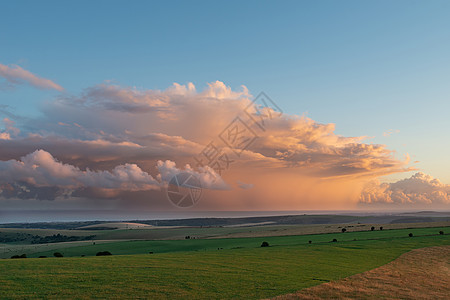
[102, 103]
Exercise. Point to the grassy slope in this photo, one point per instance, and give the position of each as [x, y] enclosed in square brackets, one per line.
[427, 271]
[162, 246]
[249, 273]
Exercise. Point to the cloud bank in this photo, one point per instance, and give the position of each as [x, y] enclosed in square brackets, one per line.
[39, 175]
[135, 138]
[418, 190]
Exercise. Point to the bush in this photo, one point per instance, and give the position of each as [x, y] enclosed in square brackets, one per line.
[57, 254]
[344, 230]
[381, 228]
[310, 242]
[265, 244]
[334, 240]
[410, 235]
[42, 256]
[372, 228]
[441, 232]
[151, 252]
[103, 253]
[19, 256]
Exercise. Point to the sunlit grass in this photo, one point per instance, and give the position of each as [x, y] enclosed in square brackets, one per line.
[250, 273]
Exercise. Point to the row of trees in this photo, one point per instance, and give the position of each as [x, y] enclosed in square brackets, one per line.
[59, 254]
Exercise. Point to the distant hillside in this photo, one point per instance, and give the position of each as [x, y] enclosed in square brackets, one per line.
[115, 225]
[217, 222]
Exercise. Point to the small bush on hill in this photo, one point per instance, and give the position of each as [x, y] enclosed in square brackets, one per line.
[334, 240]
[42, 256]
[310, 242]
[410, 235]
[19, 256]
[381, 228]
[372, 228]
[103, 253]
[265, 244]
[344, 230]
[57, 254]
[441, 232]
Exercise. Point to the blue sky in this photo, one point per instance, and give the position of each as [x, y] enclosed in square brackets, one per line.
[367, 66]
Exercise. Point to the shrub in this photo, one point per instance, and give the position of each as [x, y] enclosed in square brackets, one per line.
[57, 254]
[265, 244]
[344, 230]
[372, 228]
[310, 242]
[441, 232]
[19, 256]
[42, 256]
[334, 240]
[410, 235]
[103, 253]
[151, 252]
[381, 227]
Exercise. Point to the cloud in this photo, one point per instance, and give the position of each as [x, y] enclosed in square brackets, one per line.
[390, 132]
[9, 130]
[40, 169]
[132, 100]
[39, 174]
[295, 163]
[419, 189]
[208, 178]
[15, 75]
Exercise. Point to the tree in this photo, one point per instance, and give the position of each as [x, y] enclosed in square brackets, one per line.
[344, 230]
[310, 242]
[372, 228]
[441, 232]
[265, 244]
[410, 235]
[334, 241]
[57, 254]
[381, 227]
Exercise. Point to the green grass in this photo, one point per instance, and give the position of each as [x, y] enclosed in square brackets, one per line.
[163, 246]
[249, 273]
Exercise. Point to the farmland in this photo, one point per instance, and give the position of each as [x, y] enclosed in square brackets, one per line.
[207, 268]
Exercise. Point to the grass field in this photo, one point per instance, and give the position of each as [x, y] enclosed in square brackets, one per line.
[163, 246]
[251, 272]
[427, 271]
[172, 239]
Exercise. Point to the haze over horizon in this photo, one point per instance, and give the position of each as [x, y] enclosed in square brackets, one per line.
[100, 109]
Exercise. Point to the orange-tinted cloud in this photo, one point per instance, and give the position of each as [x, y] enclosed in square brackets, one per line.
[295, 163]
[15, 75]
